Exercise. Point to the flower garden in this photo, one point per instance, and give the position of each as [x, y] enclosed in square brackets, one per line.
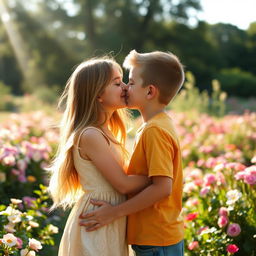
[219, 158]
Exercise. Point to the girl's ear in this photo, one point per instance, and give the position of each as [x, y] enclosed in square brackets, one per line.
[99, 99]
[152, 92]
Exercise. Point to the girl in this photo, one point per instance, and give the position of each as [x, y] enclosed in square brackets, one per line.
[90, 159]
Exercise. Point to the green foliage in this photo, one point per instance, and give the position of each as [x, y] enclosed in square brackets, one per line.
[48, 95]
[4, 89]
[190, 98]
[55, 38]
[238, 82]
[6, 102]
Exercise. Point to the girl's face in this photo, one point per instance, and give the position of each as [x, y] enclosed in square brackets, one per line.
[113, 96]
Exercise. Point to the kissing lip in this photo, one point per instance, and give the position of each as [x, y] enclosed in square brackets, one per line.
[125, 97]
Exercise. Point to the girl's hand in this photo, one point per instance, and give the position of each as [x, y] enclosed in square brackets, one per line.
[96, 219]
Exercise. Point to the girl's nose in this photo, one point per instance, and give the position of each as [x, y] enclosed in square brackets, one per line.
[124, 86]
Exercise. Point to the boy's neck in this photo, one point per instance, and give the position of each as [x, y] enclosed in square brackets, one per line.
[150, 111]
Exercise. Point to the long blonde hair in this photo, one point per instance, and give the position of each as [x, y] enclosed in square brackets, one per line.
[82, 109]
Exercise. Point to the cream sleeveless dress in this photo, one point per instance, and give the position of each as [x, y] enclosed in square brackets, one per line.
[109, 240]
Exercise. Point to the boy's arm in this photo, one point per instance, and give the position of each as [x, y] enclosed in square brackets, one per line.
[160, 188]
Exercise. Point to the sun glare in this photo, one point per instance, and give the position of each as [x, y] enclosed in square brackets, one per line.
[17, 42]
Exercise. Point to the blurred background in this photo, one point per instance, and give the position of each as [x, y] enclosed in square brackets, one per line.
[42, 40]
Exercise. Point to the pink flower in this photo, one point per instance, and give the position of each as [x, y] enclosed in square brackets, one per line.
[209, 179]
[222, 221]
[200, 162]
[22, 164]
[204, 191]
[232, 248]
[236, 166]
[193, 245]
[191, 216]
[223, 211]
[9, 160]
[220, 178]
[198, 182]
[251, 169]
[34, 244]
[29, 201]
[22, 178]
[233, 229]
[200, 230]
[19, 243]
[240, 175]
[192, 202]
[15, 172]
[211, 162]
[250, 178]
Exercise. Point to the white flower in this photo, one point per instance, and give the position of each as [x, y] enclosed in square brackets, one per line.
[208, 230]
[189, 187]
[10, 227]
[9, 239]
[29, 217]
[7, 211]
[53, 229]
[16, 201]
[15, 216]
[34, 244]
[37, 156]
[26, 252]
[33, 224]
[218, 167]
[233, 196]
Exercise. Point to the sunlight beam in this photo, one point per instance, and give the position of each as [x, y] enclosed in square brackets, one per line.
[19, 46]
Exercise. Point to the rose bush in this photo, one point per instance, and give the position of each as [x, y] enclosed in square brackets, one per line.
[24, 228]
[219, 183]
[26, 145]
[220, 209]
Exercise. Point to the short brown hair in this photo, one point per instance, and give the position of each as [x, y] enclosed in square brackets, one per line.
[162, 69]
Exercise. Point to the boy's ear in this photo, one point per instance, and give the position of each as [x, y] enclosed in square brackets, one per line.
[152, 92]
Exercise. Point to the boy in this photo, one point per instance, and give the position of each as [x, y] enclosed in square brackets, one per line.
[154, 223]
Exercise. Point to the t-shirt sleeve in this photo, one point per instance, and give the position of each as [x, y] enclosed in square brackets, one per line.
[159, 150]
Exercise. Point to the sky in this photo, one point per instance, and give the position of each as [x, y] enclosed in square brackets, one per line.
[237, 12]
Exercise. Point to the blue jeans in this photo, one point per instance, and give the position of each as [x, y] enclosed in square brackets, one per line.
[148, 250]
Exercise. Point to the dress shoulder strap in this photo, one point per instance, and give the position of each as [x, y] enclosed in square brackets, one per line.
[94, 128]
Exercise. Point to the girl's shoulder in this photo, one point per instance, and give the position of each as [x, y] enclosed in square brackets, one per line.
[91, 134]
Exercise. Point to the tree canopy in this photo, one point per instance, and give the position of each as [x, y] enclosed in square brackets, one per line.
[41, 41]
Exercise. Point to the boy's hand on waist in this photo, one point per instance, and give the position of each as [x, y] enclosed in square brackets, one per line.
[98, 218]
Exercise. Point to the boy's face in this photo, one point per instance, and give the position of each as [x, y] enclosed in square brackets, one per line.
[136, 94]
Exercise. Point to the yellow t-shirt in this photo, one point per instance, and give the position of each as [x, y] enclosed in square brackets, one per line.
[157, 153]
